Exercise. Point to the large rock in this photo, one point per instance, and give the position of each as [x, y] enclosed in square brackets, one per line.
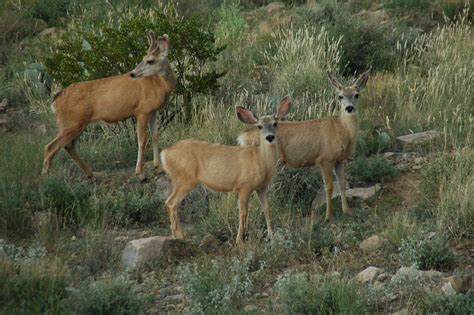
[406, 274]
[138, 253]
[461, 284]
[408, 142]
[372, 243]
[368, 274]
[363, 192]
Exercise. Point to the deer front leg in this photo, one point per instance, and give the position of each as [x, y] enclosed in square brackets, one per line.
[326, 169]
[243, 212]
[262, 196]
[154, 136]
[341, 181]
[141, 134]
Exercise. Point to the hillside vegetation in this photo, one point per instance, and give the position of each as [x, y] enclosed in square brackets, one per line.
[62, 236]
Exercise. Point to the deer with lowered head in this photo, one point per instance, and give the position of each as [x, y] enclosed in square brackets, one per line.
[224, 168]
[327, 142]
[140, 94]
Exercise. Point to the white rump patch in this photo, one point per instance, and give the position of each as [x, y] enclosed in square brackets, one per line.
[53, 107]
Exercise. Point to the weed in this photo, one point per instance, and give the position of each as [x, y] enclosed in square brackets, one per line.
[436, 303]
[427, 253]
[372, 169]
[324, 295]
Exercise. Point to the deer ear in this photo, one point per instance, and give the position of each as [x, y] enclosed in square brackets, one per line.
[361, 82]
[246, 116]
[163, 43]
[151, 41]
[334, 82]
[283, 108]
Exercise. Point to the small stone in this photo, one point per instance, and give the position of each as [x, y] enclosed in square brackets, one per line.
[461, 284]
[389, 155]
[448, 289]
[417, 167]
[174, 298]
[418, 160]
[402, 312]
[372, 243]
[250, 308]
[368, 274]
[430, 235]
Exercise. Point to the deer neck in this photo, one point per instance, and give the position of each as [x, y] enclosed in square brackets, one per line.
[167, 73]
[350, 122]
[269, 155]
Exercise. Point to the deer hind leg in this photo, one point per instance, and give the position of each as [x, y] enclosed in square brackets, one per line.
[262, 196]
[244, 197]
[142, 136]
[341, 181]
[326, 169]
[172, 205]
[51, 149]
[71, 149]
[154, 136]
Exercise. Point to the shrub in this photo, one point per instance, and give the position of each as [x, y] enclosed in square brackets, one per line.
[425, 253]
[216, 286]
[447, 187]
[372, 169]
[108, 296]
[31, 289]
[408, 5]
[461, 304]
[70, 200]
[326, 295]
[117, 44]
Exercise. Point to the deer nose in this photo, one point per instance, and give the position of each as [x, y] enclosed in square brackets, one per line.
[270, 138]
[133, 75]
[349, 109]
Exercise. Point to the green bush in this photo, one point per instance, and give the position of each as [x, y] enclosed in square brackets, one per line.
[117, 44]
[372, 169]
[108, 296]
[325, 295]
[412, 5]
[216, 286]
[363, 43]
[427, 253]
[31, 289]
[460, 304]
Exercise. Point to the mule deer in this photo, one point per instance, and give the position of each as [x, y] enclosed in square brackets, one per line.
[327, 142]
[138, 94]
[226, 168]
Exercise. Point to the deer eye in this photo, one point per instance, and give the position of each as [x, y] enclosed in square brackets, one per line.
[260, 126]
[341, 97]
[150, 62]
[356, 96]
[275, 124]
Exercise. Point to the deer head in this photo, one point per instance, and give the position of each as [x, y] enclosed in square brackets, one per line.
[156, 59]
[267, 124]
[348, 95]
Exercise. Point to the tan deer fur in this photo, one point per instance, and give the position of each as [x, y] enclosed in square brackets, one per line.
[327, 142]
[224, 168]
[138, 94]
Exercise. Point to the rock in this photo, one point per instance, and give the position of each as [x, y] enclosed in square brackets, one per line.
[209, 244]
[403, 311]
[461, 284]
[418, 160]
[433, 275]
[50, 32]
[372, 243]
[174, 298]
[163, 187]
[364, 193]
[368, 274]
[430, 235]
[383, 276]
[406, 274]
[250, 308]
[139, 252]
[407, 142]
[274, 7]
[448, 289]
[389, 155]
